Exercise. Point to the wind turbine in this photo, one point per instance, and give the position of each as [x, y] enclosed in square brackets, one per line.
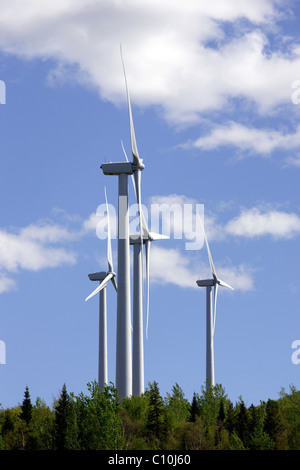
[123, 352]
[145, 238]
[215, 282]
[103, 277]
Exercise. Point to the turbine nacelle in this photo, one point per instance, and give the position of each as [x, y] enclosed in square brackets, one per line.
[149, 236]
[212, 283]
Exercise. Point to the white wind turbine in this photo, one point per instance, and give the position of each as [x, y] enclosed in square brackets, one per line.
[215, 282]
[103, 277]
[145, 238]
[123, 350]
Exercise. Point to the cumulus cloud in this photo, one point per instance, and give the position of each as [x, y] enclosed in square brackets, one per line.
[45, 244]
[293, 161]
[256, 223]
[18, 251]
[252, 140]
[169, 266]
[177, 53]
[6, 284]
[35, 247]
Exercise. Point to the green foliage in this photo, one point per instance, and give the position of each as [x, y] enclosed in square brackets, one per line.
[289, 406]
[94, 421]
[41, 426]
[99, 420]
[177, 406]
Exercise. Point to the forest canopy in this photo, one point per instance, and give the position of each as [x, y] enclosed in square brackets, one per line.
[99, 420]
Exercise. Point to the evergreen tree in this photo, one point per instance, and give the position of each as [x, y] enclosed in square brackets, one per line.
[220, 431]
[221, 415]
[60, 420]
[243, 423]
[194, 409]
[156, 421]
[254, 419]
[230, 420]
[26, 409]
[273, 425]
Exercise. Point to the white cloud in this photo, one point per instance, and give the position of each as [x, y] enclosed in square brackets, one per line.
[6, 284]
[34, 247]
[45, 232]
[90, 224]
[256, 223]
[239, 277]
[258, 141]
[293, 161]
[21, 252]
[168, 58]
[169, 266]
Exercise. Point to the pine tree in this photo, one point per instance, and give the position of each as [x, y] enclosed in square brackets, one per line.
[156, 414]
[195, 408]
[243, 423]
[221, 415]
[61, 419]
[231, 418]
[273, 425]
[26, 409]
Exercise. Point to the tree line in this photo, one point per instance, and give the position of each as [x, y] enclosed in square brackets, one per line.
[99, 420]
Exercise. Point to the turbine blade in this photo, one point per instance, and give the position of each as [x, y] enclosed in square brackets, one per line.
[113, 280]
[144, 224]
[224, 284]
[147, 246]
[212, 267]
[124, 151]
[215, 307]
[137, 180]
[157, 236]
[135, 153]
[101, 286]
[109, 253]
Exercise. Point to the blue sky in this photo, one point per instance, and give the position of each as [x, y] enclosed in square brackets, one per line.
[216, 105]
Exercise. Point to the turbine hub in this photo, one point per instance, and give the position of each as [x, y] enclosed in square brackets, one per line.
[140, 166]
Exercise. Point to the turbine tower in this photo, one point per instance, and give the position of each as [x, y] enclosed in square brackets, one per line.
[215, 282]
[103, 278]
[123, 347]
[145, 238]
[138, 330]
[138, 339]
